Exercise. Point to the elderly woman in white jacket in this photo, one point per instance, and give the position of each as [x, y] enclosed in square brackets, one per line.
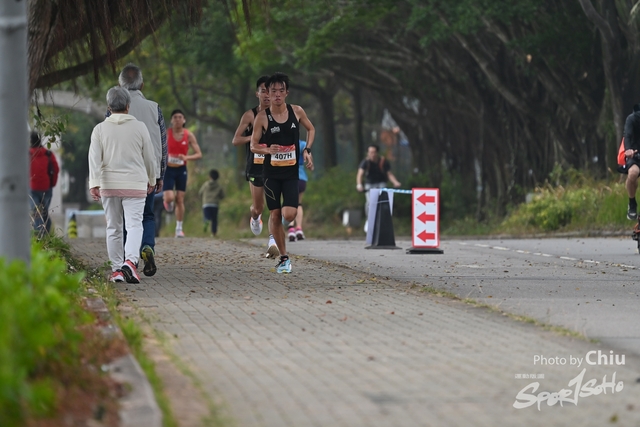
[122, 171]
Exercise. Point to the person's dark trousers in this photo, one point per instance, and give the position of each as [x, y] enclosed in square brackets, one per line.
[157, 213]
[149, 223]
[41, 200]
[211, 214]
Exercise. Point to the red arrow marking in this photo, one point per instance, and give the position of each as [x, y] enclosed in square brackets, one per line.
[424, 217]
[424, 199]
[424, 236]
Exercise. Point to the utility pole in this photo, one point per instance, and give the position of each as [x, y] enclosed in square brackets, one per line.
[15, 230]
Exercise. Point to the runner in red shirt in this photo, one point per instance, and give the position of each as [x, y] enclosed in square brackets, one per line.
[179, 140]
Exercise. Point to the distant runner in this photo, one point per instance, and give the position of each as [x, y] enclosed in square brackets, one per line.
[179, 139]
[254, 163]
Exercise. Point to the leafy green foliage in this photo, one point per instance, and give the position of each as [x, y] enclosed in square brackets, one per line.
[39, 315]
[326, 198]
[50, 126]
[569, 201]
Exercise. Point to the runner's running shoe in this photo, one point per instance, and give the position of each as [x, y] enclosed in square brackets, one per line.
[179, 233]
[299, 234]
[284, 266]
[292, 234]
[256, 225]
[117, 277]
[272, 250]
[130, 272]
[149, 261]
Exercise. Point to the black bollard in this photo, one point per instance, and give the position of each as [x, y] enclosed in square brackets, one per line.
[383, 236]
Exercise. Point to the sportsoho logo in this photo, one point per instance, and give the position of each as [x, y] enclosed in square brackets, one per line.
[577, 387]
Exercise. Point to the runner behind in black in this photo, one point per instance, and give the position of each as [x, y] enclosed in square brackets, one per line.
[254, 162]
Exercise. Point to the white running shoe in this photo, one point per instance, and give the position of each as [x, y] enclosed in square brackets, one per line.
[292, 234]
[256, 225]
[272, 250]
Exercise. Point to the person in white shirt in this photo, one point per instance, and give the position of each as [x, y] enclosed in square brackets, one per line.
[122, 171]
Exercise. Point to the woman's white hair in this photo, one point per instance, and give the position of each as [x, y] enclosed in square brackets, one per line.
[118, 99]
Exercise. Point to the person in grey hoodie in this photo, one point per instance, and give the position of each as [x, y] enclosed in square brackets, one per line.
[211, 193]
[149, 113]
[122, 172]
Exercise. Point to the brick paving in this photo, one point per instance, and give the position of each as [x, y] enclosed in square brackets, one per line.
[330, 345]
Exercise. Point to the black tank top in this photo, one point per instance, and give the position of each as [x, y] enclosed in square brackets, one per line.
[283, 165]
[254, 164]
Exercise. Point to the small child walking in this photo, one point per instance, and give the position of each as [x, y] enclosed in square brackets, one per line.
[211, 193]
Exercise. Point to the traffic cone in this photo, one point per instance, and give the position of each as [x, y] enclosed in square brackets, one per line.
[383, 236]
[72, 228]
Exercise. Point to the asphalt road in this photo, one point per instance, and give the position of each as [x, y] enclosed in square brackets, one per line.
[589, 285]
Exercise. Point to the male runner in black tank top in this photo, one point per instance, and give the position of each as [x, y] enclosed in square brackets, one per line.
[254, 163]
[278, 126]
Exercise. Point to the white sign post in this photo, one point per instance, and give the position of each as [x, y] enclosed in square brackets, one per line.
[425, 221]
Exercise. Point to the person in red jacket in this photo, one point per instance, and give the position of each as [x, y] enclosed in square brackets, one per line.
[43, 177]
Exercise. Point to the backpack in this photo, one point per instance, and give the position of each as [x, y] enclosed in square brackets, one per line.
[380, 165]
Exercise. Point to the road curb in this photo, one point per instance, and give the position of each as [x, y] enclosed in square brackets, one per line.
[138, 407]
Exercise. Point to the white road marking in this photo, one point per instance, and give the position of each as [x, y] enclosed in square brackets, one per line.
[520, 251]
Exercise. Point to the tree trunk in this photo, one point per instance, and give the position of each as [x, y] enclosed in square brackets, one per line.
[611, 58]
[356, 93]
[329, 144]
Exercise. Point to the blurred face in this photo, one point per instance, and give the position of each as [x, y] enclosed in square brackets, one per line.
[277, 94]
[177, 120]
[263, 95]
[372, 153]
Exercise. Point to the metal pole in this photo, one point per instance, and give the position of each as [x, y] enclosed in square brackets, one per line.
[14, 153]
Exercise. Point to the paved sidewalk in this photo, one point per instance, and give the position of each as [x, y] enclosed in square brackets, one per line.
[333, 346]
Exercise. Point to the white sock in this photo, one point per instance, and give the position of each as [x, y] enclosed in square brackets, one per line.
[178, 225]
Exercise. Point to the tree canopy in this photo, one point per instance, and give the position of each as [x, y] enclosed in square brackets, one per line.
[497, 92]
